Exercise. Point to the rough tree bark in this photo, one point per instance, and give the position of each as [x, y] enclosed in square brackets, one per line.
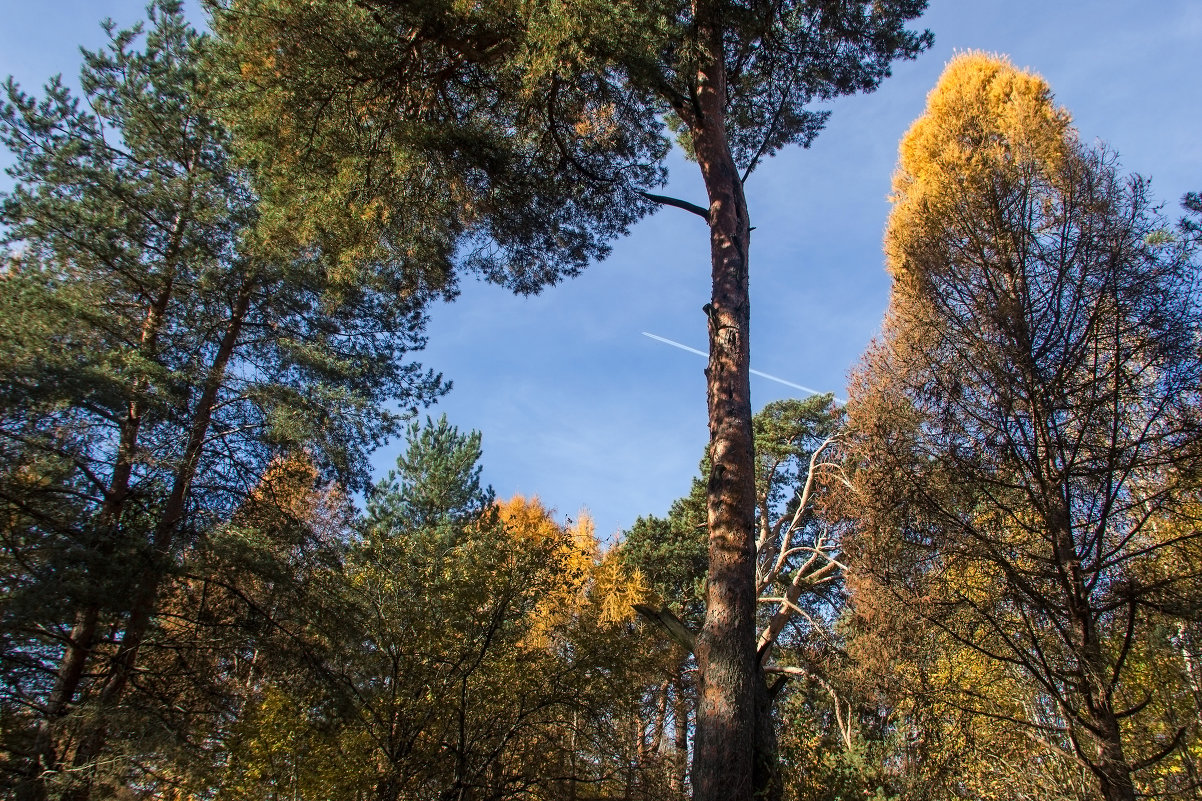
[724, 761]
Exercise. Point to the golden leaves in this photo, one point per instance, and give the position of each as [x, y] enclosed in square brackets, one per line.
[589, 583]
[987, 126]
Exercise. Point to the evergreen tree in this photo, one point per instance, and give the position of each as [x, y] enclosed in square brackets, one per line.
[517, 139]
[798, 573]
[474, 651]
[236, 617]
[155, 354]
[436, 482]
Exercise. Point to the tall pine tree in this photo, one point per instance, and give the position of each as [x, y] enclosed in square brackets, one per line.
[516, 139]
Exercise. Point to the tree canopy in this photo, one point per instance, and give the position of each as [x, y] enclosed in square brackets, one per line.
[982, 578]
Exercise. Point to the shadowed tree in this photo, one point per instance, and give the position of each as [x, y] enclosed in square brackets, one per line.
[154, 357]
[798, 577]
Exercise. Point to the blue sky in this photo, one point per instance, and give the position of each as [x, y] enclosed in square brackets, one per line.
[579, 408]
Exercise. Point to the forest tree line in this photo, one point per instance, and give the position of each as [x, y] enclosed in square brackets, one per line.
[981, 577]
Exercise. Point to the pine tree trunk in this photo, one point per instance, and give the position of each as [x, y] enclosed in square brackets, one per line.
[680, 741]
[724, 749]
[767, 777]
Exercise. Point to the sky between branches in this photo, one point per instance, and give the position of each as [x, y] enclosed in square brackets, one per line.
[580, 408]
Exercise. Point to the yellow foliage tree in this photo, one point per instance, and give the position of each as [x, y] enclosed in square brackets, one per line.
[578, 563]
[987, 129]
[1029, 410]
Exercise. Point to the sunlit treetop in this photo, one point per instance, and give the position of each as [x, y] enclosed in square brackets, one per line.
[986, 124]
[591, 583]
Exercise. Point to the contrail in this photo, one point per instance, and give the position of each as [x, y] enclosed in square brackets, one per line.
[667, 341]
[676, 344]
